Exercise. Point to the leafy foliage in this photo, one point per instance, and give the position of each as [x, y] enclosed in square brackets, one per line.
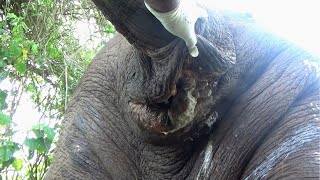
[41, 55]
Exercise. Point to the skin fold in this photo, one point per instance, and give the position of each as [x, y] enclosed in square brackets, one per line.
[246, 108]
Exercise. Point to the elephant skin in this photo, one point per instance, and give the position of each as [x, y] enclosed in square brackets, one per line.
[246, 108]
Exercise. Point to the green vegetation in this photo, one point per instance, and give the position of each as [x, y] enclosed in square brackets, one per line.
[41, 55]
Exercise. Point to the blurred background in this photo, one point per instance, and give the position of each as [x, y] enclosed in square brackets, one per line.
[46, 45]
[297, 20]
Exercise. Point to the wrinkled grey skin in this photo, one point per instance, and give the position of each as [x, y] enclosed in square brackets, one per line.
[250, 101]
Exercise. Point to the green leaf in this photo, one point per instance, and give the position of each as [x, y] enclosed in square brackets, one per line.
[2, 63]
[31, 88]
[3, 75]
[30, 154]
[25, 27]
[11, 16]
[4, 36]
[43, 131]
[7, 163]
[34, 49]
[2, 24]
[49, 132]
[38, 132]
[3, 96]
[15, 49]
[32, 143]
[6, 152]
[8, 57]
[21, 66]
[17, 164]
[38, 126]
[18, 35]
[42, 145]
[16, 29]
[4, 119]
[52, 51]
[45, 145]
[110, 29]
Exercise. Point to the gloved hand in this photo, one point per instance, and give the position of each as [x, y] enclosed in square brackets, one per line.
[180, 22]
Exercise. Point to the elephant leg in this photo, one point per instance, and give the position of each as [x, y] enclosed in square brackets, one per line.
[291, 151]
[76, 160]
[92, 144]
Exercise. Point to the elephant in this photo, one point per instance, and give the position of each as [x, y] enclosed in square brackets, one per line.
[246, 108]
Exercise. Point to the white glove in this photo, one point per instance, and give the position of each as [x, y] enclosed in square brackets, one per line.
[180, 22]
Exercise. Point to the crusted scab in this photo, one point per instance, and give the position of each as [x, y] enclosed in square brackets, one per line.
[177, 112]
[186, 117]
